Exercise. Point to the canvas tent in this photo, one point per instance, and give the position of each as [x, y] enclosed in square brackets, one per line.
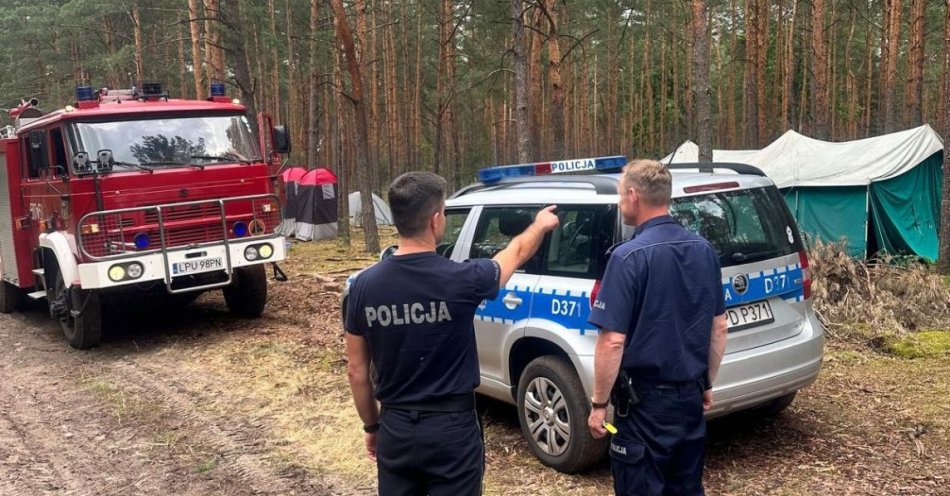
[879, 193]
[384, 216]
[317, 206]
[291, 178]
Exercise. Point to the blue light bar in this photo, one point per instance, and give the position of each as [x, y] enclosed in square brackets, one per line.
[598, 164]
[217, 89]
[85, 94]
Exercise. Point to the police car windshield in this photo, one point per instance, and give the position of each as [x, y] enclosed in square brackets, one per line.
[744, 226]
[169, 141]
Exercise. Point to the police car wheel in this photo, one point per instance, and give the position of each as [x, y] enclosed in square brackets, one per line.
[82, 331]
[778, 405]
[247, 293]
[553, 411]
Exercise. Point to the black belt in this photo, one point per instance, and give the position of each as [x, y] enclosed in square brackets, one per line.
[450, 403]
[644, 382]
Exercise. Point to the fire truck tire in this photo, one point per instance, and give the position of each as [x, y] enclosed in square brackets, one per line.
[247, 294]
[11, 298]
[85, 330]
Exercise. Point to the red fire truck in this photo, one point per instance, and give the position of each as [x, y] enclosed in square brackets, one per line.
[132, 193]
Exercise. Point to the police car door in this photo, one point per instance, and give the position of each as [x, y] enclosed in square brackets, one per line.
[500, 322]
[574, 257]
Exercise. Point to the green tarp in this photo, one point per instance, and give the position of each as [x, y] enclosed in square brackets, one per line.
[832, 215]
[903, 212]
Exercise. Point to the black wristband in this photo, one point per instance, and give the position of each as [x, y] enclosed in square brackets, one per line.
[371, 428]
[594, 404]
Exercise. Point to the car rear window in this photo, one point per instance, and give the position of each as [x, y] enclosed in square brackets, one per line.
[744, 226]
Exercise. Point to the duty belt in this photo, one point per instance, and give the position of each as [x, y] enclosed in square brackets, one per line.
[450, 403]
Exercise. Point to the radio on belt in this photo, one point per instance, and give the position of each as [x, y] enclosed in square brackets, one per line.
[597, 164]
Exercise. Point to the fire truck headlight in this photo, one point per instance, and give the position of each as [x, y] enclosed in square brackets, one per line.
[134, 270]
[90, 228]
[265, 250]
[250, 253]
[116, 273]
[141, 241]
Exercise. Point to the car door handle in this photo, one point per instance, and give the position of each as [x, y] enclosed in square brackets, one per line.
[512, 301]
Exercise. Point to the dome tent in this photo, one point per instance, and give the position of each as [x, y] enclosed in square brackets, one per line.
[316, 206]
[384, 216]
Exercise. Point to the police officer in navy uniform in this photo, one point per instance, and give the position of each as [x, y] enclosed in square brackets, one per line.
[411, 317]
[661, 315]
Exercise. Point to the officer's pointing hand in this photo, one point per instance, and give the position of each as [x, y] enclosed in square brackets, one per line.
[547, 219]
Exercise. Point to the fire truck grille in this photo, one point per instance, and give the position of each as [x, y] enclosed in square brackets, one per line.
[125, 232]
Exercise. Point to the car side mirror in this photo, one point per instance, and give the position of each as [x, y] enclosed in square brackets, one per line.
[39, 152]
[281, 139]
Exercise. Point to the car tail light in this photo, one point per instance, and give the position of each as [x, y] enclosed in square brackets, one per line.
[806, 273]
[593, 292]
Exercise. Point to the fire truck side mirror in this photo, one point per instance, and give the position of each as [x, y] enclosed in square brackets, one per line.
[281, 139]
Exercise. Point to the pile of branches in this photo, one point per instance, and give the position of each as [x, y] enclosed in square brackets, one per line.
[884, 296]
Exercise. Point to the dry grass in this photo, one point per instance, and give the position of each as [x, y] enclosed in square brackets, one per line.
[860, 300]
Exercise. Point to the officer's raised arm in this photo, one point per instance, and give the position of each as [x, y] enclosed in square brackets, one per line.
[525, 245]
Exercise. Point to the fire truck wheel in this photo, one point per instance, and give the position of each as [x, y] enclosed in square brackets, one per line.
[83, 331]
[247, 294]
[11, 297]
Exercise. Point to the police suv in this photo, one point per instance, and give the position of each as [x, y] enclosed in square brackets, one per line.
[535, 346]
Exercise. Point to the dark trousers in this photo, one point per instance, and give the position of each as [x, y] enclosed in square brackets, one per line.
[437, 453]
[659, 446]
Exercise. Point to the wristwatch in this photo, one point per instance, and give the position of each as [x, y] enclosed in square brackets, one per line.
[371, 428]
[594, 404]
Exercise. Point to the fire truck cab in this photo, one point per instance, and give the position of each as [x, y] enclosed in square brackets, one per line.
[129, 193]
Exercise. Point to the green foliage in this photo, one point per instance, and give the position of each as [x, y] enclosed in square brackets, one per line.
[927, 344]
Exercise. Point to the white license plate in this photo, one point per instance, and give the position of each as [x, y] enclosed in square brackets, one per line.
[751, 315]
[197, 265]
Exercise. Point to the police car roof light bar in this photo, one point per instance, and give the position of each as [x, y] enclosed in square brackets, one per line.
[598, 164]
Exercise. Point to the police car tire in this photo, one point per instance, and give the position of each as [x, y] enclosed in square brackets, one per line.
[247, 294]
[583, 450]
[11, 298]
[85, 331]
[778, 405]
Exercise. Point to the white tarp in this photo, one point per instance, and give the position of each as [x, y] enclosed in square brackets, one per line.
[384, 217]
[797, 160]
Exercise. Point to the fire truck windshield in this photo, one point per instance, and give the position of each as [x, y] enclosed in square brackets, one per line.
[163, 142]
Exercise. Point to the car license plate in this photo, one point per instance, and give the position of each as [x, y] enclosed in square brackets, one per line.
[197, 265]
[751, 315]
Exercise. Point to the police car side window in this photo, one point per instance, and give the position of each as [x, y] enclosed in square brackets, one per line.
[577, 247]
[454, 221]
[497, 226]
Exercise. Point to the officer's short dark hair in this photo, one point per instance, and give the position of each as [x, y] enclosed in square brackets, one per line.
[413, 198]
[651, 179]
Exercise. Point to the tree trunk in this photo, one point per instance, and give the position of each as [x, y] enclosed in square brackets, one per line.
[751, 54]
[889, 55]
[789, 69]
[345, 40]
[761, 56]
[275, 68]
[913, 110]
[819, 81]
[313, 108]
[137, 30]
[535, 84]
[196, 60]
[182, 69]
[943, 260]
[213, 42]
[700, 84]
[554, 75]
[522, 112]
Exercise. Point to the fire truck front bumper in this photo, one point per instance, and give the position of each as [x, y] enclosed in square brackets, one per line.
[183, 269]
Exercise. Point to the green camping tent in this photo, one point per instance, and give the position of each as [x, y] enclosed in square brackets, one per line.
[873, 194]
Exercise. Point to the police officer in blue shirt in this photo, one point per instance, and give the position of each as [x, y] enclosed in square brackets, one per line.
[411, 317]
[662, 324]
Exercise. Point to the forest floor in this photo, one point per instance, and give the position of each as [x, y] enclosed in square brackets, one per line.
[197, 402]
